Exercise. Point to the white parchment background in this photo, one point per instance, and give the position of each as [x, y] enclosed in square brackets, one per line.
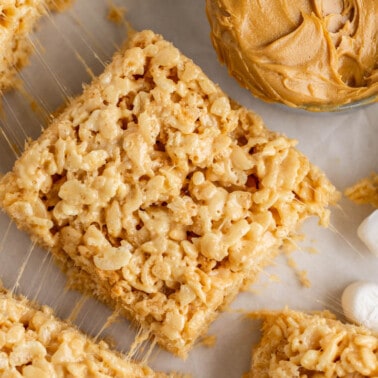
[344, 145]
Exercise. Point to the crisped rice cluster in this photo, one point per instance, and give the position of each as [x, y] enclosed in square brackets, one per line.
[17, 19]
[35, 344]
[295, 344]
[160, 195]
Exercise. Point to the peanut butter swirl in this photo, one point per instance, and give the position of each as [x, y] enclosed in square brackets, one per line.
[316, 54]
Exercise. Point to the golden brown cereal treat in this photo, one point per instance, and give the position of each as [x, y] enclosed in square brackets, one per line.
[34, 343]
[159, 195]
[17, 19]
[295, 344]
[364, 191]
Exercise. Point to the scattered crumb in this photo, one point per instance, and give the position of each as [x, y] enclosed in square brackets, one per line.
[253, 291]
[291, 262]
[208, 341]
[311, 250]
[291, 246]
[303, 278]
[258, 288]
[365, 191]
[302, 275]
[274, 278]
[288, 248]
[59, 5]
[116, 14]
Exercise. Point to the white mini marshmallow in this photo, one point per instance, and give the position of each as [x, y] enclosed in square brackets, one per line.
[368, 232]
[360, 304]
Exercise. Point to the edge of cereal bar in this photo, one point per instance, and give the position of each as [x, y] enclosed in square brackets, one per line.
[16, 48]
[295, 343]
[55, 346]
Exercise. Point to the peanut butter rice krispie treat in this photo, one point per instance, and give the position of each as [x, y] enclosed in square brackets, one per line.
[34, 343]
[161, 196]
[17, 19]
[364, 191]
[295, 344]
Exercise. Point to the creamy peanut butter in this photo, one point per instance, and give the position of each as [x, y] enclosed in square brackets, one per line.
[316, 54]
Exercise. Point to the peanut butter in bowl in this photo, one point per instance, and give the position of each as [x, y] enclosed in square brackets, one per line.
[319, 55]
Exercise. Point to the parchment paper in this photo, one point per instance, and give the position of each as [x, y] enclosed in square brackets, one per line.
[344, 145]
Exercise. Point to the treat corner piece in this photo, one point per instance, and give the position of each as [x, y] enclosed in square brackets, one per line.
[15, 45]
[36, 343]
[295, 343]
[159, 195]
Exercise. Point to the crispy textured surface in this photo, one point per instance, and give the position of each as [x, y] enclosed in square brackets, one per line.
[159, 195]
[295, 344]
[17, 19]
[34, 343]
[364, 191]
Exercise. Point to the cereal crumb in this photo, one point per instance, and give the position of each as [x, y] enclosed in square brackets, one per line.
[116, 14]
[209, 341]
[274, 278]
[365, 191]
[311, 250]
[303, 278]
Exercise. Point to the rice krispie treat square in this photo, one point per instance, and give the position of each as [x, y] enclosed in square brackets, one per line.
[295, 344]
[34, 343]
[160, 195]
[17, 19]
